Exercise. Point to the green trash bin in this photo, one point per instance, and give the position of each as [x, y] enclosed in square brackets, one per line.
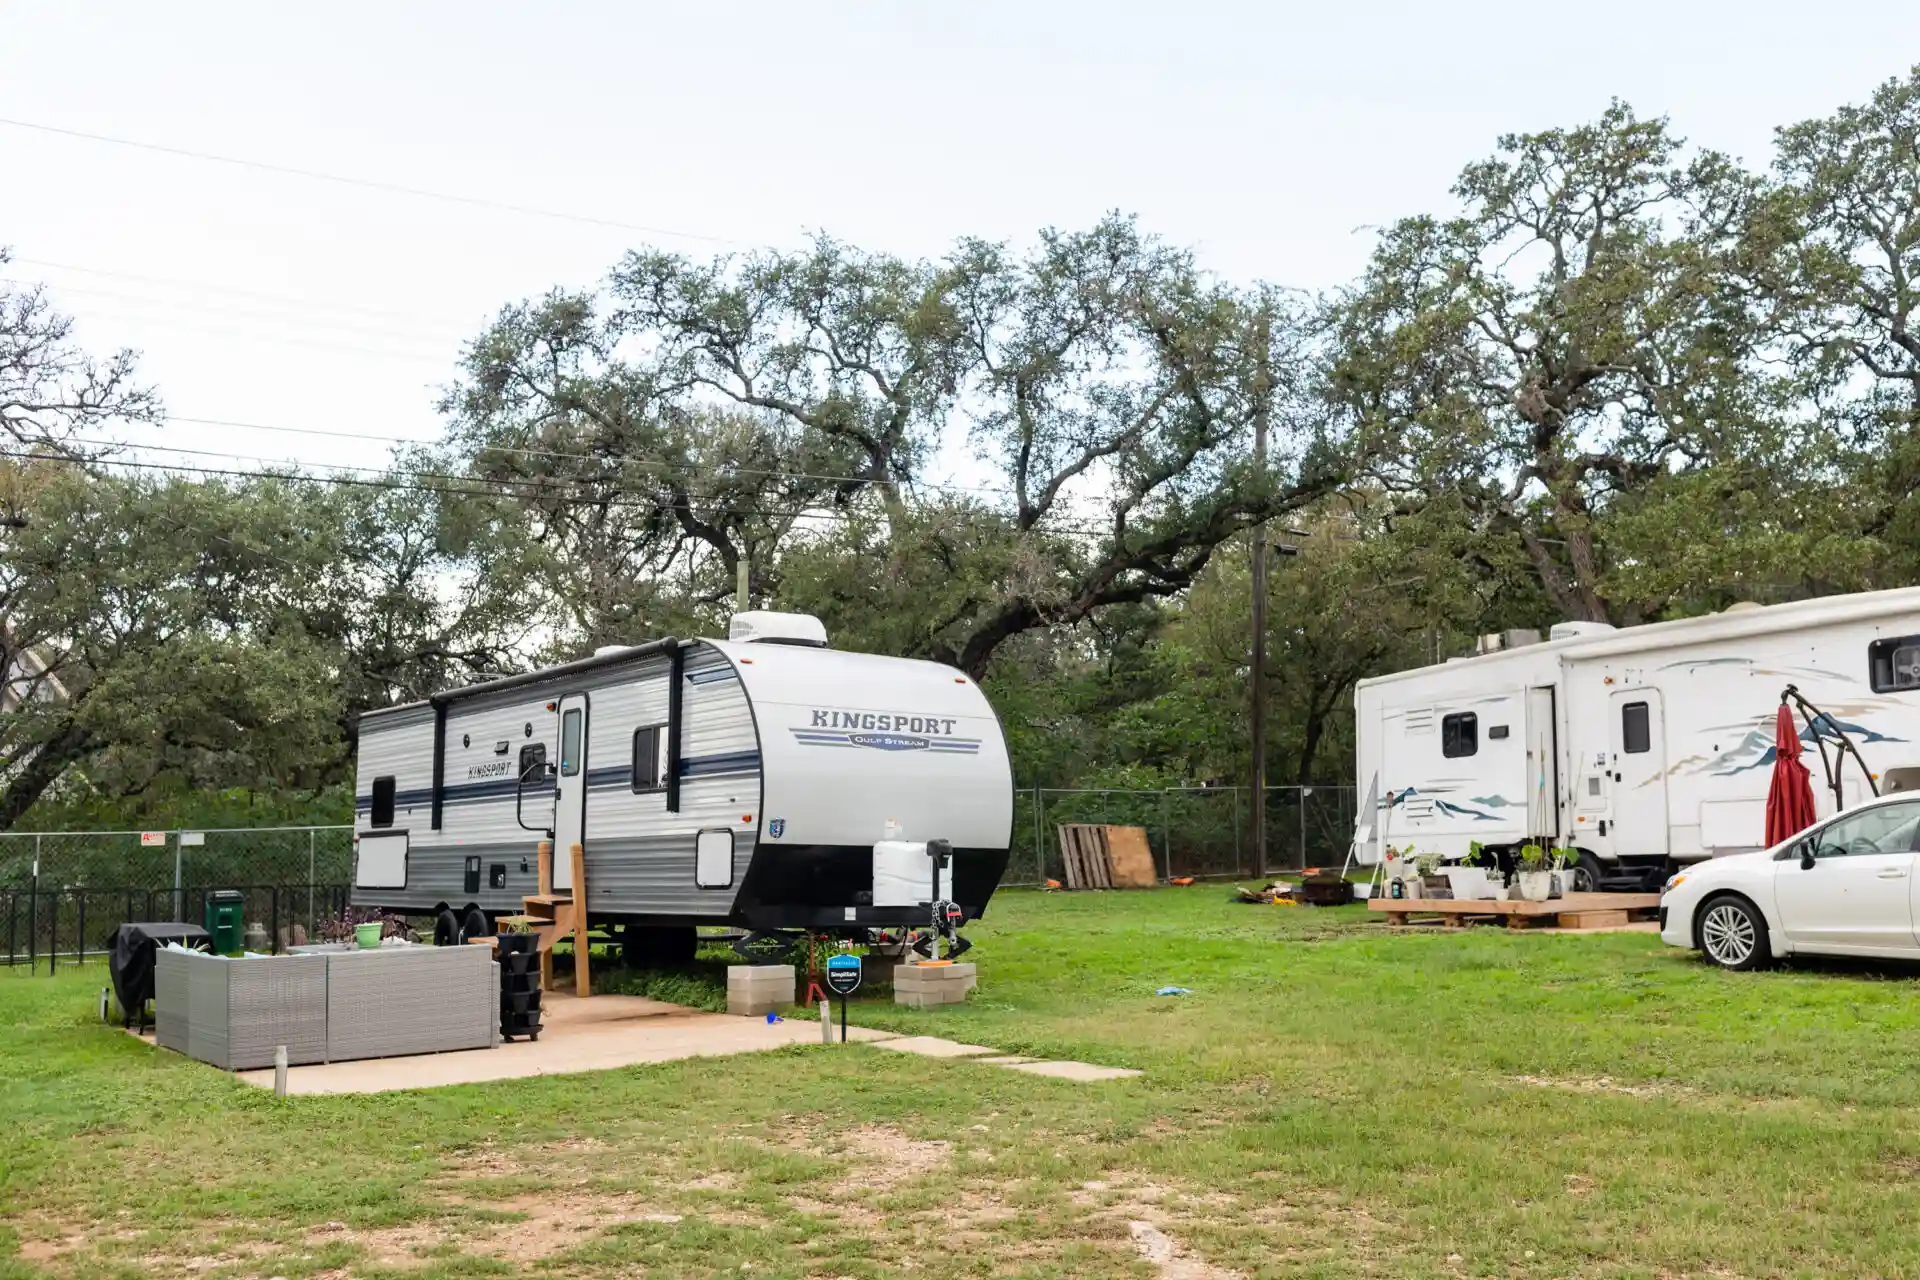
[224, 910]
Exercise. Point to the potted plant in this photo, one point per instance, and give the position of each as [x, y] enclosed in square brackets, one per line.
[515, 933]
[1564, 861]
[1431, 885]
[1534, 881]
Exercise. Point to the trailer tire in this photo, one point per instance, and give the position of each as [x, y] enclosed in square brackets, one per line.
[476, 925]
[1586, 873]
[446, 928]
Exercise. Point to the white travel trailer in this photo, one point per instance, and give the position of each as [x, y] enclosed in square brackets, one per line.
[1638, 746]
[745, 781]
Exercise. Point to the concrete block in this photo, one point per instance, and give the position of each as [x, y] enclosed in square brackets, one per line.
[754, 990]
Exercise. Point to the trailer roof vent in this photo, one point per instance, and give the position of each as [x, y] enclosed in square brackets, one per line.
[607, 649]
[762, 626]
[1743, 606]
[1578, 630]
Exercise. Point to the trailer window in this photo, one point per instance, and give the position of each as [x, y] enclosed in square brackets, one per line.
[570, 743]
[382, 815]
[533, 763]
[1894, 664]
[650, 757]
[1459, 734]
[1636, 736]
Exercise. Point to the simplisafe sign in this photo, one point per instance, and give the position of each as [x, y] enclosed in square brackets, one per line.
[843, 974]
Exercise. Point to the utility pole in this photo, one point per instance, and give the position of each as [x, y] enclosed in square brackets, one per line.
[740, 586]
[1263, 392]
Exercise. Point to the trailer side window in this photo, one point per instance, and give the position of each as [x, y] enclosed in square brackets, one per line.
[1636, 737]
[650, 758]
[1459, 734]
[570, 743]
[382, 815]
[533, 763]
[1894, 664]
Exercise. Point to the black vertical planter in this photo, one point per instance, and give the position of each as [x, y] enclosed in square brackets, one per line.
[518, 956]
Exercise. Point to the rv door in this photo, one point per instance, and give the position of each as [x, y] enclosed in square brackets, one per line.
[570, 788]
[1543, 765]
[1639, 765]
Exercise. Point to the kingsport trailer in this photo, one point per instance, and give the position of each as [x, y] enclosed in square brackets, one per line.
[1641, 746]
[765, 781]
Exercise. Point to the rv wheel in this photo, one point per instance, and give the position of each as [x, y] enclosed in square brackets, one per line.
[476, 924]
[1586, 874]
[446, 928]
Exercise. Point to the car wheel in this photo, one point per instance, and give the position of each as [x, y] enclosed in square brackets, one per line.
[446, 928]
[1733, 934]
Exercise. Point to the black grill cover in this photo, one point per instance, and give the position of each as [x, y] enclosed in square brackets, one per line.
[131, 963]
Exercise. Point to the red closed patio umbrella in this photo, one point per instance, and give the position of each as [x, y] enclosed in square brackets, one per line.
[1790, 794]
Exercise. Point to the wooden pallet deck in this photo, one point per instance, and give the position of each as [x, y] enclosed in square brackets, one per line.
[1574, 911]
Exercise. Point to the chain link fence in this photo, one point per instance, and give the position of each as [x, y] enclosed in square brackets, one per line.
[1193, 831]
[63, 893]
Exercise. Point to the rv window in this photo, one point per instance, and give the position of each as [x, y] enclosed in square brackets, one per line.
[1636, 736]
[533, 763]
[382, 802]
[649, 757]
[1894, 664]
[1459, 734]
[570, 743]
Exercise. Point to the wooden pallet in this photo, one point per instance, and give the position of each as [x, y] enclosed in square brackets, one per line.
[1574, 911]
[1083, 852]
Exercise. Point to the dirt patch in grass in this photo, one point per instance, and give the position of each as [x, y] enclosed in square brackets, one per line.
[1606, 1084]
[1172, 1259]
[546, 1223]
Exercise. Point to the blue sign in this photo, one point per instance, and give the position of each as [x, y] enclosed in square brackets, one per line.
[777, 828]
[843, 974]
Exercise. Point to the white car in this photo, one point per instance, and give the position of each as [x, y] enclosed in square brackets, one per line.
[1846, 886]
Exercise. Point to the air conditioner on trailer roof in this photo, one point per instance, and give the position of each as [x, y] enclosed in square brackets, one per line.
[763, 626]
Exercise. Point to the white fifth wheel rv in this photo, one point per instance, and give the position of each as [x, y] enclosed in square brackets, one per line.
[1638, 746]
[765, 781]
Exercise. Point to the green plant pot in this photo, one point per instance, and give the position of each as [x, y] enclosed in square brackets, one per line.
[367, 935]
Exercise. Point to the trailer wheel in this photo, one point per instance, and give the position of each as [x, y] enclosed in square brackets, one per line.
[446, 928]
[1586, 874]
[476, 925]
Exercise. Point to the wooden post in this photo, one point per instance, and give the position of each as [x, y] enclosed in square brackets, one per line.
[544, 857]
[582, 981]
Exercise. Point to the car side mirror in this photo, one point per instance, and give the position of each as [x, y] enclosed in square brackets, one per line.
[1806, 857]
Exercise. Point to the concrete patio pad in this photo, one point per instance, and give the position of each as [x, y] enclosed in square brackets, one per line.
[1082, 1072]
[935, 1047]
[593, 1034]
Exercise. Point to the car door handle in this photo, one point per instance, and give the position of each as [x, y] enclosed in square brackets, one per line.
[1893, 873]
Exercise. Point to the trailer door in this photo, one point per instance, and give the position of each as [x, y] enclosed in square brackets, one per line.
[570, 788]
[1543, 765]
[1639, 773]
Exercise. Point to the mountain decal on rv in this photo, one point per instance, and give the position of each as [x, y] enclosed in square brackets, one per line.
[1757, 750]
[1413, 798]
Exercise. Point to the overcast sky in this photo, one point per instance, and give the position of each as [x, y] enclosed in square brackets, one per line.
[1267, 136]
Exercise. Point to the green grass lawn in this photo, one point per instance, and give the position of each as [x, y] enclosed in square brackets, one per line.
[1332, 1100]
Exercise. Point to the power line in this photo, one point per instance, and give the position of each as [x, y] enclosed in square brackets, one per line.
[256, 295]
[369, 184]
[450, 484]
[622, 459]
[345, 326]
